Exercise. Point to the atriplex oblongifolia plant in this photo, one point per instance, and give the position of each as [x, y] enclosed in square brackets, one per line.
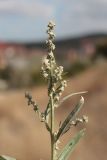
[56, 85]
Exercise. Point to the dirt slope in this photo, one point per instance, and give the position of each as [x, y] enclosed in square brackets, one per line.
[22, 136]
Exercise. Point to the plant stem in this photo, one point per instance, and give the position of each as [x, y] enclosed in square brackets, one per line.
[52, 129]
[52, 115]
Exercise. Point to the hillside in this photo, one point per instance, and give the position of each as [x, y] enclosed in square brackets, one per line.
[23, 137]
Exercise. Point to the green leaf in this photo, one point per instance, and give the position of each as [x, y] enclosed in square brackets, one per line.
[47, 112]
[47, 109]
[67, 123]
[70, 95]
[68, 149]
[6, 158]
[1, 158]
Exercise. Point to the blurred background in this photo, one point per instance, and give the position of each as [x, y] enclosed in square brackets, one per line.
[81, 47]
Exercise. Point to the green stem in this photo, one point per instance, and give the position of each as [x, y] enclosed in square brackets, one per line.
[52, 130]
[52, 114]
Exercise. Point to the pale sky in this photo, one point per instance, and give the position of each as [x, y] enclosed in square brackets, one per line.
[26, 20]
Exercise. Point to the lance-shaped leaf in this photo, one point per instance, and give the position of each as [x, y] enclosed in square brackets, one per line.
[68, 149]
[6, 158]
[70, 95]
[67, 123]
[47, 111]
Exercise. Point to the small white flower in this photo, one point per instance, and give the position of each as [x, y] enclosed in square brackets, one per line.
[64, 83]
[62, 88]
[51, 24]
[85, 118]
[42, 68]
[53, 89]
[60, 93]
[46, 62]
[57, 98]
[79, 120]
[73, 123]
[51, 54]
[61, 68]
[45, 74]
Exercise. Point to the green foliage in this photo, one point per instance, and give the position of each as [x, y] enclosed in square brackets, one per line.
[68, 149]
[70, 95]
[6, 158]
[1, 158]
[68, 121]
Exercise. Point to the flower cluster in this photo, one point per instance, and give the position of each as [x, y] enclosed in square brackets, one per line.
[31, 102]
[50, 70]
[48, 63]
[58, 92]
[34, 105]
[84, 119]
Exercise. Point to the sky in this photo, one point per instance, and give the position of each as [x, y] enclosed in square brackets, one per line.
[26, 20]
